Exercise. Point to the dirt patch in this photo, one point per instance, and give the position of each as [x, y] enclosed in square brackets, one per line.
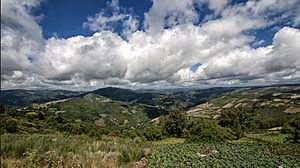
[275, 129]
[292, 110]
[100, 122]
[228, 105]
[208, 152]
[295, 96]
[143, 161]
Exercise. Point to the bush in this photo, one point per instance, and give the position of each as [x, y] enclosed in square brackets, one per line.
[41, 116]
[204, 130]
[131, 133]
[174, 123]
[293, 127]
[153, 133]
[2, 109]
[11, 125]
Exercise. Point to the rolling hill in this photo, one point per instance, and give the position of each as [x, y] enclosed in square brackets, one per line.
[99, 110]
[265, 106]
[124, 107]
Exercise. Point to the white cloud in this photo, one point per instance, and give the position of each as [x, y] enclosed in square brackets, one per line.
[277, 62]
[108, 19]
[157, 55]
[286, 52]
[21, 36]
[163, 13]
[217, 5]
[94, 57]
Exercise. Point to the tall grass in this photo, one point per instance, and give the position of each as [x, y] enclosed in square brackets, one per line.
[60, 150]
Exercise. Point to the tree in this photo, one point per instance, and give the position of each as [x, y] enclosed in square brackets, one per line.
[295, 124]
[174, 123]
[236, 120]
[2, 109]
[41, 116]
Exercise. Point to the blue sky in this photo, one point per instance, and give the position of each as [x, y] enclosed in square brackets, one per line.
[65, 17]
[141, 43]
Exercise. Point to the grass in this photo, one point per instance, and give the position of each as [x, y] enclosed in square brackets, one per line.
[169, 141]
[273, 137]
[58, 150]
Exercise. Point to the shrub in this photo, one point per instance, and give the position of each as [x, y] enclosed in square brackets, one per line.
[131, 133]
[2, 109]
[153, 133]
[174, 123]
[11, 125]
[293, 127]
[204, 130]
[41, 116]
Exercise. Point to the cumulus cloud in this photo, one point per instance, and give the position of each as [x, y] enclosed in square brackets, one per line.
[162, 54]
[112, 17]
[165, 14]
[286, 51]
[277, 62]
[21, 36]
[94, 57]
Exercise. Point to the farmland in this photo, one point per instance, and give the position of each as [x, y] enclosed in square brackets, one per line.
[246, 154]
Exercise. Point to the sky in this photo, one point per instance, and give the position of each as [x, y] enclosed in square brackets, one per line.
[84, 45]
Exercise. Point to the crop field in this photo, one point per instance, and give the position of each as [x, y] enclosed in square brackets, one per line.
[247, 154]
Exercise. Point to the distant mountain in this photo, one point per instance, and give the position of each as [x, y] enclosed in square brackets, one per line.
[154, 104]
[21, 97]
[168, 90]
[202, 95]
[120, 94]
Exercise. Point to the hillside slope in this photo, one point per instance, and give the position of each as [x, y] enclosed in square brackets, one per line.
[274, 104]
[99, 110]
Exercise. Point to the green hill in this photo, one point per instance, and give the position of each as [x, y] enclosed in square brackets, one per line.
[99, 110]
[154, 104]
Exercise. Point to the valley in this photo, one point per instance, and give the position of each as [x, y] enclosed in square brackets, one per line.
[208, 127]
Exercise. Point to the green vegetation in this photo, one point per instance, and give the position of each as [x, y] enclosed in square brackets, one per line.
[174, 123]
[58, 150]
[203, 130]
[101, 111]
[153, 133]
[235, 127]
[246, 154]
[23, 122]
[293, 127]
[169, 141]
[195, 130]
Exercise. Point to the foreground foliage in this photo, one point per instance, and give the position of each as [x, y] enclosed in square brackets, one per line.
[247, 154]
[60, 150]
